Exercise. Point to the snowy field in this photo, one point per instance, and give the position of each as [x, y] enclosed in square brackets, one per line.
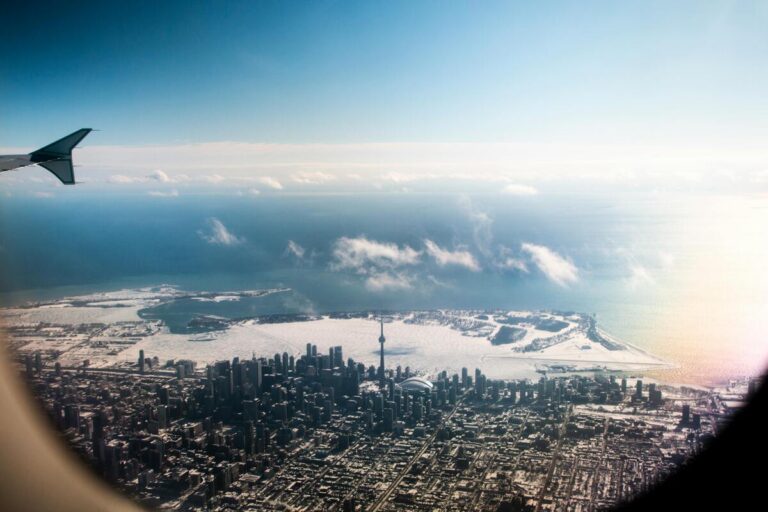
[427, 341]
[425, 348]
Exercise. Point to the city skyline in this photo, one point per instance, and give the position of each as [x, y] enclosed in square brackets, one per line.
[377, 445]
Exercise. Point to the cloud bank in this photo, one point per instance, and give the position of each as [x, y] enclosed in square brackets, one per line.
[557, 269]
[388, 281]
[515, 189]
[160, 193]
[512, 168]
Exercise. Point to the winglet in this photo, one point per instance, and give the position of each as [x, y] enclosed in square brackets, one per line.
[57, 156]
[64, 146]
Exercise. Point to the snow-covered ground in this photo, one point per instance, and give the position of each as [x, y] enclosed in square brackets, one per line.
[114, 306]
[426, 341]
[73, 315]
[425, 348]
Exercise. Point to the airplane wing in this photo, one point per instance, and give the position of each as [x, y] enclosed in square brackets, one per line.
[55, 157]
[63, 147]
[62, 169]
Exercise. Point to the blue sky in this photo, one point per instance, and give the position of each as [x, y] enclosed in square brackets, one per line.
[358, 72]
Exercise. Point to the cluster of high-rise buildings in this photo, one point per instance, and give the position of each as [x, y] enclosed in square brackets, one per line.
[315, 431]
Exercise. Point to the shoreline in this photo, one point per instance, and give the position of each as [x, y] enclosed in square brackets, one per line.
[128, 305]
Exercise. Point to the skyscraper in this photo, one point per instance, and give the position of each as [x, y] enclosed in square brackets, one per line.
[382, 339]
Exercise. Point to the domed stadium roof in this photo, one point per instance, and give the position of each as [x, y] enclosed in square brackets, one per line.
[416, 384]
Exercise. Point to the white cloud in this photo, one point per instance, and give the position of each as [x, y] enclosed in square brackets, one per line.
[271, 182]
[642, 269]
[295, 249]
[481, 226]
[160, 176]
[158, 193]
[510, 263]
[401, 177]
[639, 276]
[387, 281]
[445, 257]
[360, 254]
[122, 179]
[558, 269]
[515, 189]
[476, 167]
[437, 282]
[497, 255]
[215, 178]
[507, 259]
[218, 234]
[44, 195]
[313, 178]
[155, 176]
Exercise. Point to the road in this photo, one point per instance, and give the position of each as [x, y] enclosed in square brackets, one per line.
[385, 496]
[555, 454]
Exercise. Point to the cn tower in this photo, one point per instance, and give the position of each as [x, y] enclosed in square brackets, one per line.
[382, 339]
